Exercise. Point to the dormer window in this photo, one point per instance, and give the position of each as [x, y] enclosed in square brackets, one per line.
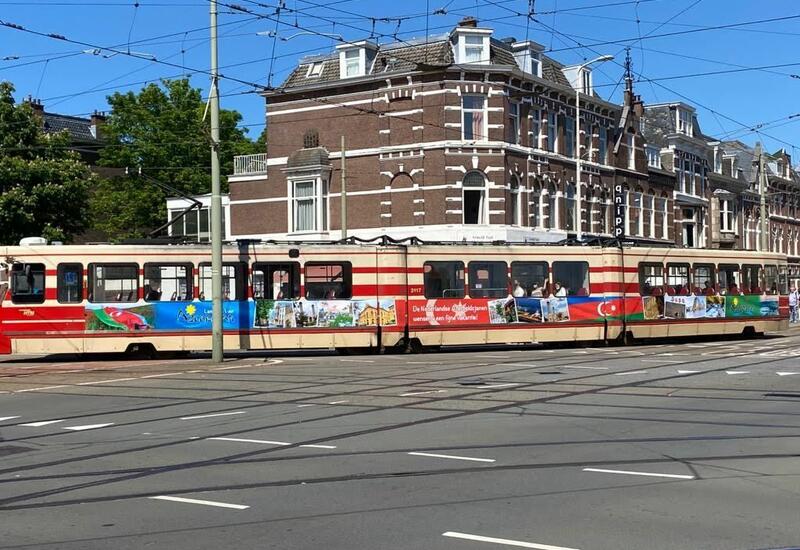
[356, 58]
[684, 122]
[586, 81]
[580, 78]
[471, 45]
[528, 57]
[315, 70]
[473, 49]
[718, 160]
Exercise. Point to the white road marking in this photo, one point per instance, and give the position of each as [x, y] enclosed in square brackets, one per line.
[454, 457]
[2, 418]
[409, 394]
[87, 427]
[491, 386]
[737, 372]
[417, 362]
[786, 373]
[493, 356]
[688, 371]
[40, 389]
[659, 361]
[356, 360]
[627, 472]
[522, 365]
[160, 375]
[505, 542]
[211, 415]
[259, 441]
[305, 405]
[338, 402]
[42, 423]
[579, 367]
[319, 446]
[104, 381]
[632, 372]
[203, 502]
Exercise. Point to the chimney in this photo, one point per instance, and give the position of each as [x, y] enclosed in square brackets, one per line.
[468, 22]
[36, 104]
[97, 119]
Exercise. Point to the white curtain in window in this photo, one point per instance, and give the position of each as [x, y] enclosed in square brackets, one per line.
[304, 206]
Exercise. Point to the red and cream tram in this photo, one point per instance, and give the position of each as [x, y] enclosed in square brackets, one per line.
[107, 298]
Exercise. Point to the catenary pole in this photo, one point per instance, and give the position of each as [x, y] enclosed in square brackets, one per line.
[762, 198]
[344, 192]
[217, 354]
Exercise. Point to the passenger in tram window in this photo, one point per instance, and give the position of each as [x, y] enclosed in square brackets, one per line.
[561, 291]
[331, 294]
[154, 294]
[202, 296]
[174, 297]
[537, 291]
[518, 292]
[709, 289]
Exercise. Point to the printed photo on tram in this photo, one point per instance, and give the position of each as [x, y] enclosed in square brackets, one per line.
[370, 313]
[715, 307]
[555, 310]
[529, 310]
[502, 311]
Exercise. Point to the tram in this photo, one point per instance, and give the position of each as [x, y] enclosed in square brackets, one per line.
[376, 295]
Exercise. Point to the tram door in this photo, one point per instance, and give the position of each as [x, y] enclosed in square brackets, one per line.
[5, 343]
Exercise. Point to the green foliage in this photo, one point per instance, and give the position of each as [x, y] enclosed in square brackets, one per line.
[161, 130]
[43, 186]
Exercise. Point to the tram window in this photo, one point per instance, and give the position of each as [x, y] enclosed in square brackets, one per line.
[329, 281]
[27, 283]
[783, 279]
[729, 278]
[651, 279]
[573, 277]
[69, 283]
[528, 278]
[113, 283]
[276, 281]
[704, 281]
[444, 279]
[751, 279]
[771, 279]
[233, 281]
[488, 279]
[168, 282]
[678, 279]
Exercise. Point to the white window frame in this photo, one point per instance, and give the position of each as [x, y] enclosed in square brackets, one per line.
[630, 144]
[471, 42]
[653, 156]
[602, 145]
[684, 122]
[315, 69]
[569, 136]
[348, 61]
[483, 205]
[535, 132]
[484, 111]
[727, 216]
[552, 131]
[319, 199]
[515, 190]
[514, 120]
[718, 160]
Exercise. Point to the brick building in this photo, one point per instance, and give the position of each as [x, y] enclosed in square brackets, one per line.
[458, 136]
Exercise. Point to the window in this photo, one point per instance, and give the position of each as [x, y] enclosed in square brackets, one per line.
[718, 161]
[635, 220]
[233, 281]
[315, 70]
[648, 215]
[352, 63]
[729, 278]
[473, 202]
[194, 225]
[572, 276]
[586, 138]
[771, 279]
[304, 215]
[276, 281]
[113, 283]
[531, 277]
[168, 282]
[488, 279]
[552, 131]
[704, 280]
[553, 221]
[473, 50]
[69, 282]
[473, 117]
[329, 281]
[678, 279]
[602, 145]
[444, 279]
[513, 122]
[630, 144]
[684, 122]
[27, 283]
[653, 157]
[535, 206]
[727, 219]
[569, 136]
[662, 217]
[514, 203]
[536, 128]
[751, 279]
[651, 279]
[586, 81]
[571, 208]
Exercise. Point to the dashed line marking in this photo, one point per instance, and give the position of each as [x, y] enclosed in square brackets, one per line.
[494, 386]
[104, 381]
[201, 502]
[630, 473]
[409, 394]
[87, 427]
[338, 402]
[257, 441]
[211, 415]
[631, 372]
[786, 373]
[453, 457]
[737, 372]
[505, 542]
[4, 418]
[42, 423]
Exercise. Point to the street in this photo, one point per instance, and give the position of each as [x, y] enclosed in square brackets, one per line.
[692, 445]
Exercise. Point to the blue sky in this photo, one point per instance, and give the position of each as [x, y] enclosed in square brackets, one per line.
[729, 105]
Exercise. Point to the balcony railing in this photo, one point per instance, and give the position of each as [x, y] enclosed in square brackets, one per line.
[248, 165]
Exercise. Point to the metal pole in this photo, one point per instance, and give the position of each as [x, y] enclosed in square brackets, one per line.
[578, 193]
[762, 193]
[216, 203]
[344, 192]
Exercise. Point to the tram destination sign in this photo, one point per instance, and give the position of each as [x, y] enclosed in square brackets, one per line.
[619, 210]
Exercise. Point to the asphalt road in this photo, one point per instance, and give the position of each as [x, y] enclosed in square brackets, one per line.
[694, 445]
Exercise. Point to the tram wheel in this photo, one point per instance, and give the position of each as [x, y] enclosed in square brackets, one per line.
[142, 351]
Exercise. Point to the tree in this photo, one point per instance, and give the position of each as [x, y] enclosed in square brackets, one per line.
[43, 186]
[160, 130]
